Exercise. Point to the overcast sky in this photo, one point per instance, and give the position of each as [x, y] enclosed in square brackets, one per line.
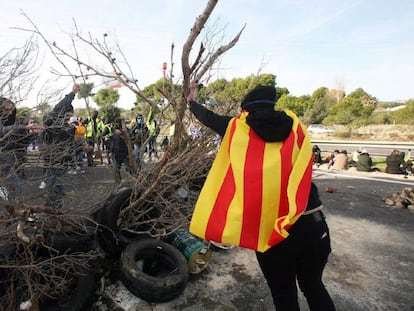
[305, 43]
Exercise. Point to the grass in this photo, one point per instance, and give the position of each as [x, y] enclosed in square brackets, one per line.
[379, 162]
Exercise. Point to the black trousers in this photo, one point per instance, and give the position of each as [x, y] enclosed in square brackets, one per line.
[302, 256]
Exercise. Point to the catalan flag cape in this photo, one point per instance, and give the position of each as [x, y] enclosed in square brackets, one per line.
[255, 190]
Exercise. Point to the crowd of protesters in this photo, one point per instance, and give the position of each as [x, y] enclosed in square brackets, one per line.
[69, 144]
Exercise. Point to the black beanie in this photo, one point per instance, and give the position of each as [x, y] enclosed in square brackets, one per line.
[260, 95]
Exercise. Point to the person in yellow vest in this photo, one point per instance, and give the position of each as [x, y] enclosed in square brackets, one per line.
[107, 132]
[80, 145]
[153, 131]
[94, 127]
[259, 195]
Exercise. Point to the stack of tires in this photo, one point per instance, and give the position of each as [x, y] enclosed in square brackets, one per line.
[57, 264]
[151, 269]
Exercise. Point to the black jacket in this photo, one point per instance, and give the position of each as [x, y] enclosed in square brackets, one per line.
[59, 111]
[364, 163]
[270, 125]
[119, 147]
[58, 134]
[395, 164]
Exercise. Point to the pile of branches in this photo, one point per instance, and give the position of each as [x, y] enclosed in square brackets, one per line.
[165, 193]
[34, 268]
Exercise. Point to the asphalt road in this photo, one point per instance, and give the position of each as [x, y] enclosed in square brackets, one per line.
[371, 266]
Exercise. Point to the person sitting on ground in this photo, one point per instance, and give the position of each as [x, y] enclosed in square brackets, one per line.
[341, 161]
[408, 156]
[317, 157]
[354, 158]
[395, 163]
[364, 163]
[331, 158]
[409, 163]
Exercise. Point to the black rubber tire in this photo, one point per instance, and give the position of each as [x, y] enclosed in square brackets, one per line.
[111, 239]
[7, 252]
[4, 282]
[80, 298]
[163, 274]
[107, 218]
[70, 242]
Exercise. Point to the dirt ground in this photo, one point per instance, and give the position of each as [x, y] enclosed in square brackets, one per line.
[371, 266]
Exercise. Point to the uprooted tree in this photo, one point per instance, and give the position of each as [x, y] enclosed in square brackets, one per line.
[182, 165]
[164, 192]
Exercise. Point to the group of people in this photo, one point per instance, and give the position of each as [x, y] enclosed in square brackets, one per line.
[397, 162]
[142, 139]
[68, 143]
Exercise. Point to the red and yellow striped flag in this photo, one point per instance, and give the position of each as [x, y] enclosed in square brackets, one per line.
[255, 190]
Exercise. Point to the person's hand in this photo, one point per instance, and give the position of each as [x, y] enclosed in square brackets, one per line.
[76, 88]
[193, 91]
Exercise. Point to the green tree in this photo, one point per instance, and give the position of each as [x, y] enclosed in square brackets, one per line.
[281, 91]
[226, 94]
[404, 115]
[318, 107]
[85, 90]
[296, 104]
[154, 91]
[229, 94]
[382, 117]
[106, 96]
[353, 110]
[265, 79]
[337, 95]
[110, 112]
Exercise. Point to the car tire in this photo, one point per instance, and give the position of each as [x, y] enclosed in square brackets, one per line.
[70, 242]
[112, 239]
[107, 217]
[153, 270]
[81, 296]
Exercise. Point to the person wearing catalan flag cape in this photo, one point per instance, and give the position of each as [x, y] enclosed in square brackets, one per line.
[259, 195]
